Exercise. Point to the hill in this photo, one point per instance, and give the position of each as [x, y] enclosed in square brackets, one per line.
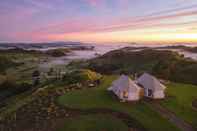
[164, 64]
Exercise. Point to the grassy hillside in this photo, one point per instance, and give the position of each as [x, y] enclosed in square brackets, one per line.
[97, 122]
[180, 101]
[164, 64]
[100, 98]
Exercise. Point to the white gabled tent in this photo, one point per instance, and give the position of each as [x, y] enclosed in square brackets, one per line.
[125, 89]
[152, 86]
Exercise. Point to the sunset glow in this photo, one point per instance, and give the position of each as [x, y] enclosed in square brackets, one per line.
[99, 20]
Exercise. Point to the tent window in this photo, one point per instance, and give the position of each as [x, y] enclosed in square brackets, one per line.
[125, 94]
[150, 92]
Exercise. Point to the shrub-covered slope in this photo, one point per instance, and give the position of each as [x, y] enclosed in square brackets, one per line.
[164, 64]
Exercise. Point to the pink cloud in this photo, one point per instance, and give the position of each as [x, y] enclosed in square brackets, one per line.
[99, 3]
[95, 3]
[79, 25]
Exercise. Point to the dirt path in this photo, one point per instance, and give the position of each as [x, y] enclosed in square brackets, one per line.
[181, 124]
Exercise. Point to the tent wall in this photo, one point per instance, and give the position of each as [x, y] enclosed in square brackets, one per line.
[142, 92]
[158, 95]
[133, 96]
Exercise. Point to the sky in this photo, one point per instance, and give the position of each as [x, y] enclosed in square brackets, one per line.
[98, 20]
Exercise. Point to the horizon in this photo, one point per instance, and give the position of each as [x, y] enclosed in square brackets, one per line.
[152, 44]
[99, 21]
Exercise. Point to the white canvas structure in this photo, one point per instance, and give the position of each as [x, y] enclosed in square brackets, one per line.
[152, 86]
[125, 89]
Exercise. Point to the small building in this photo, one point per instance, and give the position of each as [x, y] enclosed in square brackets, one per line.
[152, 86]
[125, 89]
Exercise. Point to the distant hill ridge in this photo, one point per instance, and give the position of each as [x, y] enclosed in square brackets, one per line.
[41, 45]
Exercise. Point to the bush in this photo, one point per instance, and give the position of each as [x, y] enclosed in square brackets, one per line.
[81, 76]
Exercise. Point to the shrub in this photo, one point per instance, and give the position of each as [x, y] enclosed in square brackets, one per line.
[81, 76]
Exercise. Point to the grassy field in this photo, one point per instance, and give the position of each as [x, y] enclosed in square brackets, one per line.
[180, 101]
[100, 98]
[97, 122]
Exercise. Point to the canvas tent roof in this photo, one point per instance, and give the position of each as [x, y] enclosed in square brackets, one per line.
[149, 81]
[124, 83]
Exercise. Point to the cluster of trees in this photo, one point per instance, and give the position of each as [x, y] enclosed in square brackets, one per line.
[184, 70]
[9, 87]
[6, 63]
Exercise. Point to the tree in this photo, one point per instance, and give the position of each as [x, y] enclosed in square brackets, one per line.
[36, 77]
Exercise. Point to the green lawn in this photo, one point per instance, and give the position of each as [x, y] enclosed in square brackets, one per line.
[97, 122]
[100, 98]
[180, 101]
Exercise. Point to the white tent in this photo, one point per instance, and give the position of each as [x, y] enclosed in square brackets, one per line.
[152, 86]
[125, 89]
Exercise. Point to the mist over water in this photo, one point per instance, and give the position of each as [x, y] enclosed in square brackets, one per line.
[101, 49]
